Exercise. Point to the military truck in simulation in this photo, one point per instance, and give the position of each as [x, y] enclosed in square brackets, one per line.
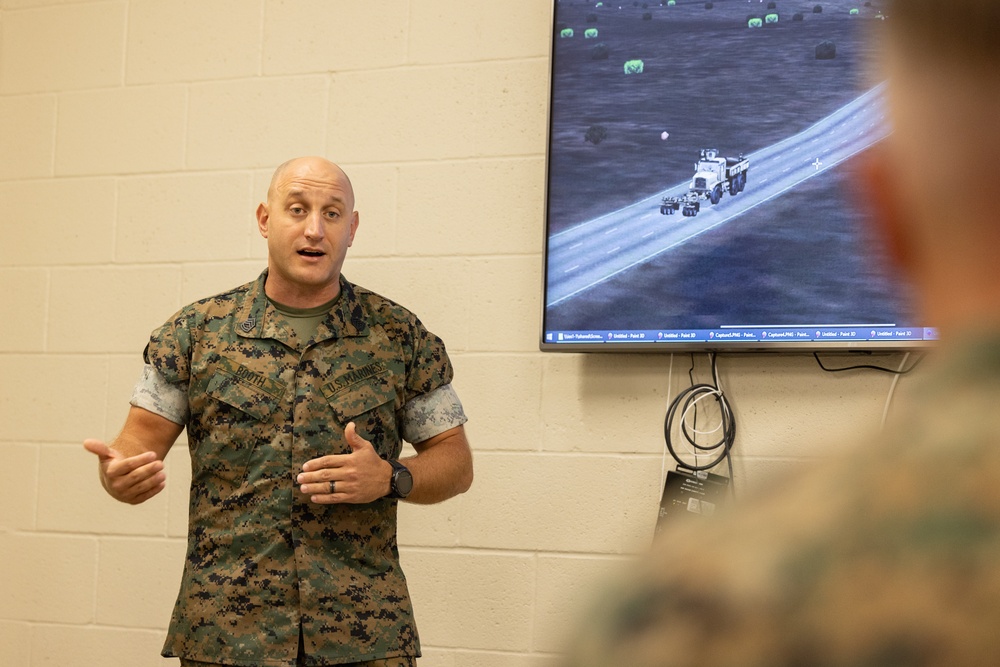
[712, 175]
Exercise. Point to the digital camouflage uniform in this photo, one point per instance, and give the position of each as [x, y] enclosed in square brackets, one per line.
[261, 558]
[887, 558]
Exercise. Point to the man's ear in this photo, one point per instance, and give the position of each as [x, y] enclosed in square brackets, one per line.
[262, 218]
[879, 193]
[354, 227]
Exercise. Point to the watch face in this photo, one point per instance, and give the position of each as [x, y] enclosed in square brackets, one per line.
[403, 482]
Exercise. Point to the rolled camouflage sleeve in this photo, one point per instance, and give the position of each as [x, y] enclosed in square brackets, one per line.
[152, 392]
[430, 414]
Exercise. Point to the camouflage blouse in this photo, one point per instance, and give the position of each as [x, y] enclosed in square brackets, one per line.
[262, 561]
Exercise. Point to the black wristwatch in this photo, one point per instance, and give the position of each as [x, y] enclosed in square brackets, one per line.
[402, 481]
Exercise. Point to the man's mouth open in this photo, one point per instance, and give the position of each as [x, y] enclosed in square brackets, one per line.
[311, 253]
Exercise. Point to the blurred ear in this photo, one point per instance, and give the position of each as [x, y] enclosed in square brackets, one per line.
[880, 196]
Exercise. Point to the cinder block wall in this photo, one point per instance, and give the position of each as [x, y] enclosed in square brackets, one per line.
[136, 138]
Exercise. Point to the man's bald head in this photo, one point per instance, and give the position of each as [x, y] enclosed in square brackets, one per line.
[309, 222]
[313, 168]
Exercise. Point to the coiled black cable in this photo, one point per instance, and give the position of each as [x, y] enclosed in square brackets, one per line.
[688, 400]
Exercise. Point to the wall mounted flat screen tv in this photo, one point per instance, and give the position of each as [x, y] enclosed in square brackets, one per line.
[701, 177]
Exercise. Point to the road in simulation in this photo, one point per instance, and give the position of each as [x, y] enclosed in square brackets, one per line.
[594, 251]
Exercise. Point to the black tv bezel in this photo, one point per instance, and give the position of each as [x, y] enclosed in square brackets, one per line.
[661, 347]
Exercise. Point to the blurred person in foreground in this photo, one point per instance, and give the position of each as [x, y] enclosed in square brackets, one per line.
[296, 390]
[890, 555]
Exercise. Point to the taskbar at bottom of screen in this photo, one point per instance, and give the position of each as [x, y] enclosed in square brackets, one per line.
[866, 334]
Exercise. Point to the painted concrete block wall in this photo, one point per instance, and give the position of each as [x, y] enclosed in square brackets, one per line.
[136, 138]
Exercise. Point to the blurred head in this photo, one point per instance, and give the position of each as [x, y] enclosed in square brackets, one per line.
[309, 222]
[931, 182]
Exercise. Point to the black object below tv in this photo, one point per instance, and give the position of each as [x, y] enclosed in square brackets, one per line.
[700, 159]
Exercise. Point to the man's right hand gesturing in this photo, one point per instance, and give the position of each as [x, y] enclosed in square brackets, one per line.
[130, 479]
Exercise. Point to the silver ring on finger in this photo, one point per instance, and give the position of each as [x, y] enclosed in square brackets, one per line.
[333, 486]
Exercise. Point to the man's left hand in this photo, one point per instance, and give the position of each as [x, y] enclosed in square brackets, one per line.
[359, 477]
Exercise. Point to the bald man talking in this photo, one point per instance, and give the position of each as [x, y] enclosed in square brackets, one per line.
[296, 390]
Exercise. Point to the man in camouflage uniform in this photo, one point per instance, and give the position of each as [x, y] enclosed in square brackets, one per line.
[890, 556]
[296, 390]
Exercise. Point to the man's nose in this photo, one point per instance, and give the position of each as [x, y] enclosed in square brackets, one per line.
[314, 226]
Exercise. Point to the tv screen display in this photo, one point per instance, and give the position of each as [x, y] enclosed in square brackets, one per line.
[701, 169]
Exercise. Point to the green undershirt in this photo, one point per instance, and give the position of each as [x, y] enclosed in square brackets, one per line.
[304, 321]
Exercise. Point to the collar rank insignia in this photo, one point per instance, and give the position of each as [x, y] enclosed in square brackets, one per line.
[247, 325]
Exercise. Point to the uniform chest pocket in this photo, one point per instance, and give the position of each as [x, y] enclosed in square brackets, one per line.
[231, 427]
[370, 404]
[233, 392]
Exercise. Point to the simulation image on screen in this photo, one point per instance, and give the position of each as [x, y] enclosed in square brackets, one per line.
[703, 175]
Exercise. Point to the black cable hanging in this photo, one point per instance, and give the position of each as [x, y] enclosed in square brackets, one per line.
[688, 400]
[870, 367]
